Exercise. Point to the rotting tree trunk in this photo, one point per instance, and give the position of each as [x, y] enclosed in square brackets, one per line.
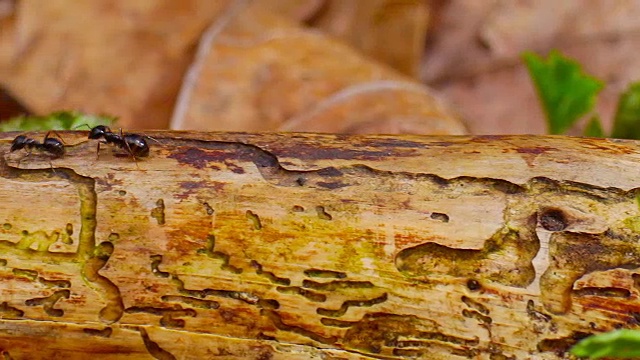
[298, 246]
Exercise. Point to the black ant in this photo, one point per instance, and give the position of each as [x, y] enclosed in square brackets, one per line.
[49, 145]
[135, 144]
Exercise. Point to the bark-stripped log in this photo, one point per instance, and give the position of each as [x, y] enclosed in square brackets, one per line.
[299, 246]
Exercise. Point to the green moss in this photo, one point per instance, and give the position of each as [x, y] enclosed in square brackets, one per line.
[59, 120]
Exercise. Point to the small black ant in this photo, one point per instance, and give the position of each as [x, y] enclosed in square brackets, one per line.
[135, 144]
[49, 145]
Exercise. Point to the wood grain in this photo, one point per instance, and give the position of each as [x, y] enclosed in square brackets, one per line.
[299, 246]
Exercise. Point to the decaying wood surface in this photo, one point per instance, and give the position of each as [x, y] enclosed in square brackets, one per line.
[300, 246]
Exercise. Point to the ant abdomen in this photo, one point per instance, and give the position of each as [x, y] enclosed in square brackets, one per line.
[137, 144]
[53, 146]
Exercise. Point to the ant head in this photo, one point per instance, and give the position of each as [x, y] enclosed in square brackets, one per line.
[98, 131]
[54, 146]
[19, 142]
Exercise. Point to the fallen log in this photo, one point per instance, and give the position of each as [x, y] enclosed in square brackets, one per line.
[298, 246]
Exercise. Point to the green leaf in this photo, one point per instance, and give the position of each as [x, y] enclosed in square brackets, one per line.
[626, 124]
[619, 343]
[61, 120]
[566, 93]
[594, 128]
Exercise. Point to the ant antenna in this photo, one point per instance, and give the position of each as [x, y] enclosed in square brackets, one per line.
[85, 124]
[150, 138]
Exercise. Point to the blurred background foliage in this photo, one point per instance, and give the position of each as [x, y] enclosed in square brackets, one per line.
[348, 66]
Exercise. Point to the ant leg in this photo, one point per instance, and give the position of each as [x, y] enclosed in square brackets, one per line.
[129, 149]
[127, 145]
[56, 134]
[24, 157]
[51, 166]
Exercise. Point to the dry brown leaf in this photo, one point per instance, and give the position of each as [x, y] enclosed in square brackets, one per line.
[475, 57]
[7, 32]
[255, 70]
[383, 107]
[391, 31]
[300, 10]
[263, 72]
[454, 43]
[122, 57]
[9, 107]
